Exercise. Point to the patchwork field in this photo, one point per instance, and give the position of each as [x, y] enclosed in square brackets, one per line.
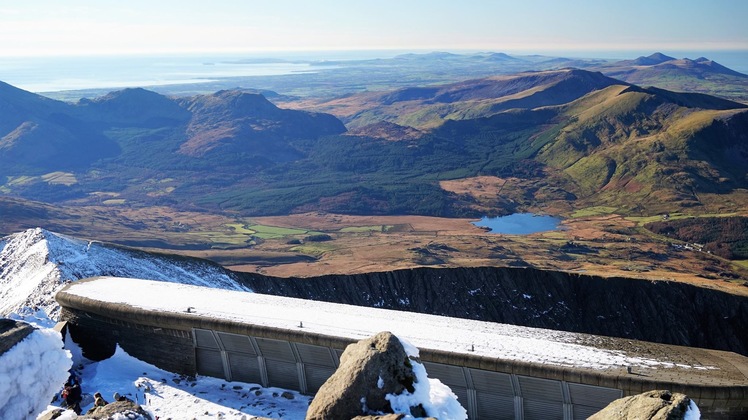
[608, 245]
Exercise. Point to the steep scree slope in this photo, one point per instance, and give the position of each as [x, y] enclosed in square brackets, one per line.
[658, 311]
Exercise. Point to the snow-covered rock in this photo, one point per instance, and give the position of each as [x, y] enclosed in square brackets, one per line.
[119, 409]
[36, 263]
[32, 371]
[650, 405]
[382, 375]
[436, 398]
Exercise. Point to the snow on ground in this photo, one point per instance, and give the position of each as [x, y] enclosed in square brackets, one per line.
[489, 339]
[36, 263]
[31, 373]
[168, 395]
[437, 399]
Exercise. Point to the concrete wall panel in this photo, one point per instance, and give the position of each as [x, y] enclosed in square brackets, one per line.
[449, 375]
[492, 406]
[276, 350]
[209, 362]
[315, 355]
[236, 343]
[244, 368]
[492, 382]
[541, 409]
[282, 374]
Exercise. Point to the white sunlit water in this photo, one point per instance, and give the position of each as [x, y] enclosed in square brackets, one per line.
[50, 74]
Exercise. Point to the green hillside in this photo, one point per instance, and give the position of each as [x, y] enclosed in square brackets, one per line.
[574, 136]
[630, 147]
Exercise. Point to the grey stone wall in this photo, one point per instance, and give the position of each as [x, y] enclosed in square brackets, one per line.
[168, 349]
[268, 355]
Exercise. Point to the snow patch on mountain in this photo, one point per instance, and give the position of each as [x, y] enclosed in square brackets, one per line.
[36, 263]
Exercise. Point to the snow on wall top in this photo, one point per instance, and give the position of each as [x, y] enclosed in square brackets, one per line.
[481, 338]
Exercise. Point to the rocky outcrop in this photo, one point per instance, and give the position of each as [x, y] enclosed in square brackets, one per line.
[686, 315]
[12, 332]
[114, 410]
[652, 405]
[388, 131]
[369, 370]
[118, 409]
[51, 414]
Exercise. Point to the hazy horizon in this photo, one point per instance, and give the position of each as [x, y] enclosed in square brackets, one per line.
[86, 27]
[63, 73]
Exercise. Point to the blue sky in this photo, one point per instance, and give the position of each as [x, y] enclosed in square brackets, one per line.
[52, 27]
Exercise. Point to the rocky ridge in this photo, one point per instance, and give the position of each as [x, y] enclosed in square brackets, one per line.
[36, 263]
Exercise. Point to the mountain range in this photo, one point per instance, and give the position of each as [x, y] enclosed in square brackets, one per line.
[582, 137]
[700, 75]
[43, 135]
[336, 78]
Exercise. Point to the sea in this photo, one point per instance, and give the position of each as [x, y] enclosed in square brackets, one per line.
[56, 73]
[52, 74]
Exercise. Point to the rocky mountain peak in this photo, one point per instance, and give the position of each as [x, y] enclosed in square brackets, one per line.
[232, 103]
[660, 57]
[651, 60]
[135, 106]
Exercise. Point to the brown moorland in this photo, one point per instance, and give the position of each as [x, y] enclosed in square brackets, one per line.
[594, 241]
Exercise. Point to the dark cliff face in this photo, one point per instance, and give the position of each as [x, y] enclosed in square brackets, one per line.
[659, 311]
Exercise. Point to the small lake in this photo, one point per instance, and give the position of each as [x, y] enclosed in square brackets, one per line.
[519, 223]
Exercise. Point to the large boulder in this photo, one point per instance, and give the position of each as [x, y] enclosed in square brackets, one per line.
[369, 370]
[651, 405]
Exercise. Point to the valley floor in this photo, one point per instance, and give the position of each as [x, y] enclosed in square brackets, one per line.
[606, 245]
[594, 240]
